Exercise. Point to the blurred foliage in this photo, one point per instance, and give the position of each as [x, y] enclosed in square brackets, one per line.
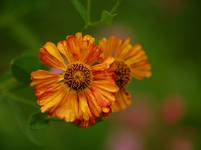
[168, 30]
[22, 67]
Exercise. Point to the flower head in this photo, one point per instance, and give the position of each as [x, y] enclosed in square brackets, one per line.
[84, 90]
[130, 61]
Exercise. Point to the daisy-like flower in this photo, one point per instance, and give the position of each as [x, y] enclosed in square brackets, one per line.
[130, 61]
[83, 90]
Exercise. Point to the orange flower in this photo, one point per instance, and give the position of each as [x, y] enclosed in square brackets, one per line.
[84, 90]
[130, 61]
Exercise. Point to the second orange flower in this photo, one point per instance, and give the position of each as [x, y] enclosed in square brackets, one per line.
[130, 61]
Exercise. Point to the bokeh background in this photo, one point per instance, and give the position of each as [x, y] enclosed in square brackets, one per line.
[166, 109]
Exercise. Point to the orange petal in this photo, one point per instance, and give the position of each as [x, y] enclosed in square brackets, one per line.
[82, 48]
[75, 105]
[73, 46]
[139, 71]
[83, 105]
[101, 99]
[133, 51]
[136, 56]
[123, 100]
[42, 79]
[93, 105]
[114, 46]
[103, 75]
[108, 95]
[62, 47]
[104, 65]
[68, 108]
[123, 49]
[93, 55]
[52, 101]
[46, 90]
[137, 59]
[107, 85]
[109, 45]
[85, 123]
[50, 56]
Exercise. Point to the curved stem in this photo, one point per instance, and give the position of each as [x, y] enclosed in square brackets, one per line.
[18, 99]
[7, 83]
[115, 6]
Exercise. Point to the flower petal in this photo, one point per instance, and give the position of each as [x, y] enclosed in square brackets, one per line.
[104, 65]
[123, 49]
[106, 85]
[101, 99]
[114, 46]
[136, 54]
[83, 105]
[123, 100]
[80, 48]
[52, 100]
[141, 70]
[68, 108]
[42, 79]
[50, 56]
[137, 59]
[93, 105]
[62, 46]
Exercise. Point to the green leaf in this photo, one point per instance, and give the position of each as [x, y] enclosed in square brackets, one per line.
[4, 77]
[107, 17]
[39, 120]
[81, 10]
[99, 120]
[22, 122]
[22, 67]
[6, 81]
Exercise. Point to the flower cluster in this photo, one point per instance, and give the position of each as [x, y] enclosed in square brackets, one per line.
[92, 77]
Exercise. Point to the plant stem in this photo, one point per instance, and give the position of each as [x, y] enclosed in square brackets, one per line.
[18, 99]
[7, 83]
[115, 7]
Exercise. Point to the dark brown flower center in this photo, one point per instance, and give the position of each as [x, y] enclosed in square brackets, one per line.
[77, 76]
[122, 73]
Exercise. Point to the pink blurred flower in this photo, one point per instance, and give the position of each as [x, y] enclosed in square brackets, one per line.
[139, 117]
[183, 140]
[124, 141]
[172, 109]
[182, 144]
[142, 125]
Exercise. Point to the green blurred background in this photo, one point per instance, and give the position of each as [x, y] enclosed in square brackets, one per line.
[166, 110]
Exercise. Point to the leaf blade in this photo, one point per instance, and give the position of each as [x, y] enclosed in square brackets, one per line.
[21, 67]
[38, 120]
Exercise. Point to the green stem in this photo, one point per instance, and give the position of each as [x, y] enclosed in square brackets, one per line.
[115, 7]
[7, 83]
[18, 99]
